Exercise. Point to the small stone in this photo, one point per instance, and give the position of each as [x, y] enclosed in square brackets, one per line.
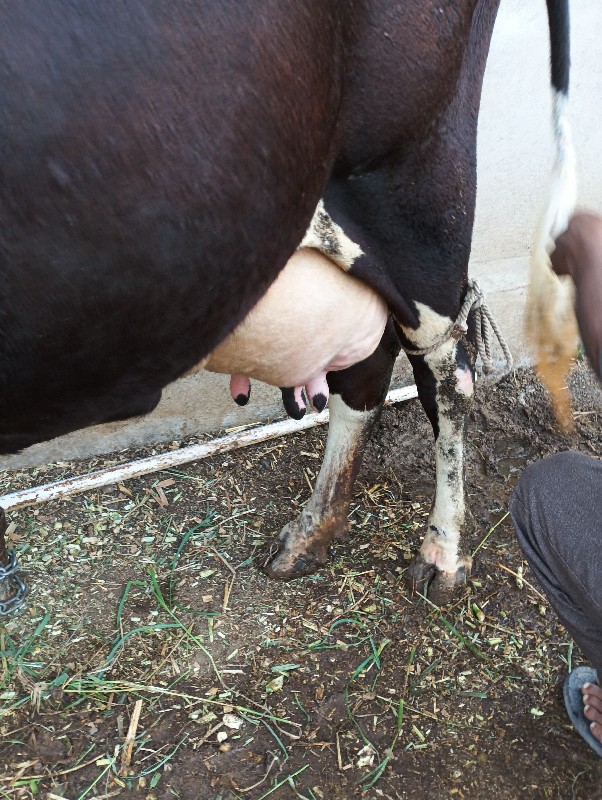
[232, 721]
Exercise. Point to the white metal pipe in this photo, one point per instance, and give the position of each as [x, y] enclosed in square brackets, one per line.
[194, 452]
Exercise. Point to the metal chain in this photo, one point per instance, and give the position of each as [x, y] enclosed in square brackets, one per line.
[8, 573]
[486, 327]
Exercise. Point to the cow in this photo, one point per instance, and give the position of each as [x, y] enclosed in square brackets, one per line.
[161, 162]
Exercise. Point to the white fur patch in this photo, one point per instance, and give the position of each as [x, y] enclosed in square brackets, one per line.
[464, 382]
[330, 239]
[447, 516]
[345, 424]
[347, 432]
[431, 328]
[546, 287]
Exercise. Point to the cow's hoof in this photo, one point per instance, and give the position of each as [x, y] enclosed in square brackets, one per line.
[420, 573]
[440, 587]
[301, 547]
[288, 563]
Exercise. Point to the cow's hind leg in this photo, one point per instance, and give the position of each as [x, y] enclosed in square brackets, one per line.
[445, 382]
[356, 399]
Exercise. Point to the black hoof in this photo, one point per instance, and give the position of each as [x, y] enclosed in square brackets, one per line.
[419, 574]
[285, 566]
[440, 587]
[444, 588]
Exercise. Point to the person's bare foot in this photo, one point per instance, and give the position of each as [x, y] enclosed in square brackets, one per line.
[592, 708]
[583, 700]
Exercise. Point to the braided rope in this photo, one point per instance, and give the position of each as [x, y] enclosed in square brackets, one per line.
[486, 330]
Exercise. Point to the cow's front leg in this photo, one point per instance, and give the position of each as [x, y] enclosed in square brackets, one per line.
[357, 395]
[445, 382]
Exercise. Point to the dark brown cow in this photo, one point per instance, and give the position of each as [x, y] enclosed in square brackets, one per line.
[162, 161]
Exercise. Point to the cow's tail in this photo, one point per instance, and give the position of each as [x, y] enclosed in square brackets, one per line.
[551, 325]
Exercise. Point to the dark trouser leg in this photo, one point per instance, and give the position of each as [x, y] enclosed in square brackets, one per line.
[557, 512]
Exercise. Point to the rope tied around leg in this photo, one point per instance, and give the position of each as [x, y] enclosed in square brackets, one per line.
[487, 330]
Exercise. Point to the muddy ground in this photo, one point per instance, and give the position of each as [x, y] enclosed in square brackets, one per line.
[147, 598]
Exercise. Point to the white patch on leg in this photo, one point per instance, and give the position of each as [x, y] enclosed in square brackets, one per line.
[305, 541]
[440, 545]
[464, 381]
[446, 521]
[346, 437]
[330, 239]
[346, 427]
[431, 328]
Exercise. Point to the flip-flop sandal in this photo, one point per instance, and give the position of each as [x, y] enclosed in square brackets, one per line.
[573, 700]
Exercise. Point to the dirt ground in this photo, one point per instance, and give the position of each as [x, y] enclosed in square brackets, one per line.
[149, 617]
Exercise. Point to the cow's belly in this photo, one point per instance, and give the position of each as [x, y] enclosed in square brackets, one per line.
[314, 318]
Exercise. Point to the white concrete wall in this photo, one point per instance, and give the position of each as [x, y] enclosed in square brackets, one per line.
[514, 162]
